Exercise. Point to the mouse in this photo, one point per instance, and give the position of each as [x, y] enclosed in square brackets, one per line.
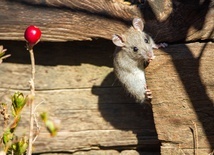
[133, 53]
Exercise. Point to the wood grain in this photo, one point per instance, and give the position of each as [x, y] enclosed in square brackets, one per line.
[76, 84]
[181, 79]
[91, 122]
[66, 20]
[78, 88]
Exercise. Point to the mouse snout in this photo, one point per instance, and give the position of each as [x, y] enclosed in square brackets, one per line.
[150, 55]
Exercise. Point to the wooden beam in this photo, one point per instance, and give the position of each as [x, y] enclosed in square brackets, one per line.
[166, 21]
[181, 79]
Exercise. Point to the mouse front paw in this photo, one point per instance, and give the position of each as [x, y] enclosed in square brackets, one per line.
[151, 58]
[148, 96]
[146, 63]
[148, 93]
[162, 45]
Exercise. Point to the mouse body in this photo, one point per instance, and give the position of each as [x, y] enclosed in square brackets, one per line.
[133, 53]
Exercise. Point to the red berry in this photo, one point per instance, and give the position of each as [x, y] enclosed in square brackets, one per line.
[32, 34]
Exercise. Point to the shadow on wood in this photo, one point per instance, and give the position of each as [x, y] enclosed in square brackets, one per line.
[63, 53]
[75, 82]
[188, 70]
[188, 67]
[128, 115]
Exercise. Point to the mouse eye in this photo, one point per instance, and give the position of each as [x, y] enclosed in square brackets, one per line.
[135, 49]
[146, 41]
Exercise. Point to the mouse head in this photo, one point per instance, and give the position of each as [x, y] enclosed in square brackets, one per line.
[137, 44]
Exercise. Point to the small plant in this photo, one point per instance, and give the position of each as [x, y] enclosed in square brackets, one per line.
[13, 144]
[32, 36]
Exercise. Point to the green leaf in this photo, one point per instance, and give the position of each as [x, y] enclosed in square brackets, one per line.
[7, 137]
[2, 53]
[51, 127]
[44, 116]
[18, 102]
[20, 147]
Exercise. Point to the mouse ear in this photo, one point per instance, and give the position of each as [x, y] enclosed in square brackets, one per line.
[138, 24]
[117, 40]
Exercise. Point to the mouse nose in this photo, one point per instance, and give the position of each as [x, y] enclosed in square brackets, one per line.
[150, 54]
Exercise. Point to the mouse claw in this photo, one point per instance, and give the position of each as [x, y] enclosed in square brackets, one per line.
[148, 96]
[162, 45]
[148, 93]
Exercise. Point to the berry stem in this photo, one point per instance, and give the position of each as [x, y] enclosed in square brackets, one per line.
[31, 104]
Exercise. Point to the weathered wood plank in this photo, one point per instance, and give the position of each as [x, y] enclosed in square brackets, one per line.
[103, 7]
[59, 65]
[105, 152]
[107, 120]
[56, 24]
[166, 20]
[78, 88]
[181, 79]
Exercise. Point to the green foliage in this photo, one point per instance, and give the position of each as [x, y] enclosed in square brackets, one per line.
[10, 141]
[20, 147]
[2, 51]
[13, 144]
[2, 54]
[18, 102]
[50, 125]
[7, 137]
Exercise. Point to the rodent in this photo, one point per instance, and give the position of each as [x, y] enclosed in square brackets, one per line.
[132, 55]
